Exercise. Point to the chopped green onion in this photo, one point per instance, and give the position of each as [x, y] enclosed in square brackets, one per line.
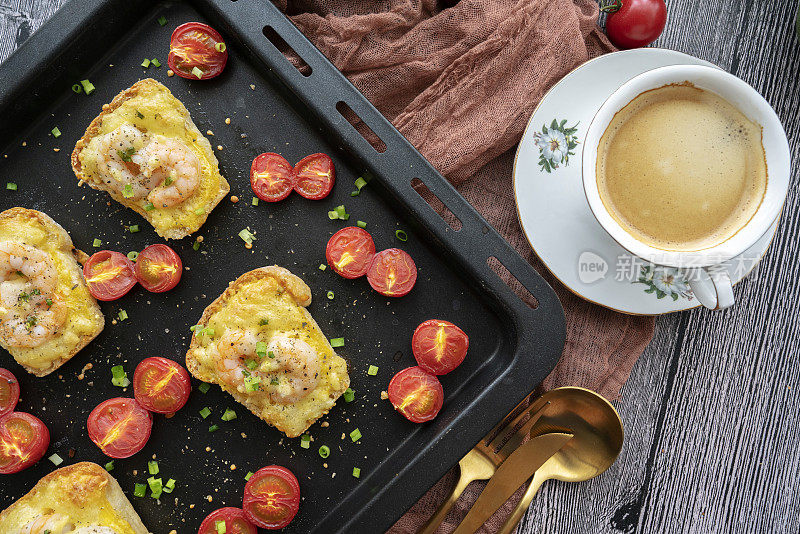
[248, 475]
[205, 412]
[56, 132]
[357, 472]
[324, 451]
[322, 266]
[169, 487]
[204, 387]
[109, 466]
[355, 435]
[349, 395]
[333, 215]
[77, 89]
[11, 186]
[305, 441]
[162, 20]
[156, 487]
[220, 47]
[274, 381]
[271, 354]
[338, 212]
[196, 245]
[199, 211]
[96, 243]
[88, 88]
[229, 415]
[139, 490]
[373, 370]
[354, 193]
[152, 467]
[197, 72]
[213, 428]
[220, 527]
[263, 322]
[401, 235]
[247, 236]
[168, 180]
[146, 63]
[122, 315]
[119, 377]
[261, 348]
[133, 228]
[156, 63]
[49, 302]
[140, 116]
[361, 224]
[132, 255]
[127, 190]
[337, 342]
[251, 364]
[252, 383]
[56, 459]
[360, 182]
[330, 295]
[149, 206]
[255, 201]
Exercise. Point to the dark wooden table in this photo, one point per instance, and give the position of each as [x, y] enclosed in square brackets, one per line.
[711, 410]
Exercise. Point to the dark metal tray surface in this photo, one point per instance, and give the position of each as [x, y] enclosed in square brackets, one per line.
[512, 346]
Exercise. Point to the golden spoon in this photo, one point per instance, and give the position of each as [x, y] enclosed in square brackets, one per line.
[597, 441]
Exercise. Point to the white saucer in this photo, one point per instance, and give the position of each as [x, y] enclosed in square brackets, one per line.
[552, 206]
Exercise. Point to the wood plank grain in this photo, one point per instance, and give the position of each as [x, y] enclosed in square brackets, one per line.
[711, 408]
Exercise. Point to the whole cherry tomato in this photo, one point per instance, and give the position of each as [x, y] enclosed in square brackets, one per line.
[635, 23]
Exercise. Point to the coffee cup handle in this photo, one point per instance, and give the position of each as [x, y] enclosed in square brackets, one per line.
[712, 286]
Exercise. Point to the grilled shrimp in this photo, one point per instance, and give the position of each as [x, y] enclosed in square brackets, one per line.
[53, 523]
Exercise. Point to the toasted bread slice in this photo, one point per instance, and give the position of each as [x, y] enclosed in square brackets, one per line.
[271, 302]
[84, 320]
[84, 493]
[150, 106]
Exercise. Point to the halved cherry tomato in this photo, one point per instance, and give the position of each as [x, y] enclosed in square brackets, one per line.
[9, 391]
[271, 497]
[271, 177]
[120, 427]
[233, 518]
[197, 45]
[158, 268]
[161, 385]
[439, 346]
[392, 273]
[109, 275]
[349, 252]
[23, 441]
[416, 394]
[314, 176]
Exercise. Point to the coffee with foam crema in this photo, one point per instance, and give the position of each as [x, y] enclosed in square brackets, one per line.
[680, 168]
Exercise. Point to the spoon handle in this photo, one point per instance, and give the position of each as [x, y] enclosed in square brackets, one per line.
[516, 516]
[464, 479]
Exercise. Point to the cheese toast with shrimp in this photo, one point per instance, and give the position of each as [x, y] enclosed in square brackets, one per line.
[261, 345]
[78, 499]
[146, 152]
[46, 311]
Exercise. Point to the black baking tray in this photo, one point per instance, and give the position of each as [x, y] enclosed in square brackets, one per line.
[513, 346]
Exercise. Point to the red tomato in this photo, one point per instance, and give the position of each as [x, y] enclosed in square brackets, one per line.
[636, 23]
[120, 427]
[416, 394]
[233, 518]
[350, 251]
[314, 176]
[23, 441]
[109, 275]
[271, 497]
[392, 273]
[271, 177]
[158, 268]
[161, 385]
[439, 346]
[9, 391]
[197, 45]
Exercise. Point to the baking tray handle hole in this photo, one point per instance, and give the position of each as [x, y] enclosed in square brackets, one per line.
[436, 203]
[361, 127]
[288, 52]
[511, 281]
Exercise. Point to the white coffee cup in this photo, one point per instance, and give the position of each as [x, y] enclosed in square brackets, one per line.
[704, 269]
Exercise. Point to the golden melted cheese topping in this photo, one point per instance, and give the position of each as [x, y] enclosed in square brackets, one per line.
[83, 316]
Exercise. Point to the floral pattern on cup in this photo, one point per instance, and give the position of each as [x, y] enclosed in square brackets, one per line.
[664, 282]
[556, 144]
